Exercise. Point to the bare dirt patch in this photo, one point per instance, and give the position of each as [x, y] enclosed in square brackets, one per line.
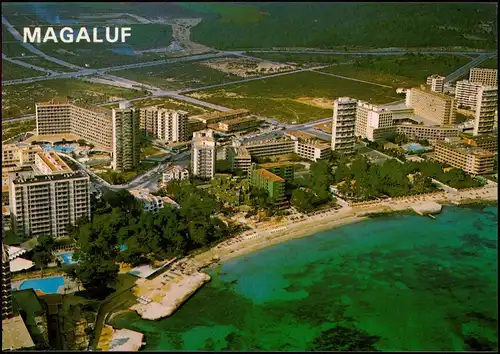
[244, 67]
[316, 102]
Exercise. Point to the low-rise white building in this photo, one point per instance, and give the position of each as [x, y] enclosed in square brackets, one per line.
[175, 173]
[151, 203]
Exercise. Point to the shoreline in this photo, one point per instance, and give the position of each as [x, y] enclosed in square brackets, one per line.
[252, 241]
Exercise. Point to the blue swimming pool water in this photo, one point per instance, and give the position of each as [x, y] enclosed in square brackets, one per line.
[415, 147]
[57, 148]
[68, 258]
[46, 285]
[123, 247]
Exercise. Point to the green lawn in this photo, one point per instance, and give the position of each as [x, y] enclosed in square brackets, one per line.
[20, 99]
[274, 97]
[305, 59]
[178, 76]
[46, 64]
[405, 70]
[11, 71]
[490, 63]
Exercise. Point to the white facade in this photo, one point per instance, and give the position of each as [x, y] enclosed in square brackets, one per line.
[436, 82]
[166, 124]
[466, 94]
[344, 122]
[175, 173]
[487, 77]
[203, 154]
[151, 203]
[487, 104]
[372, 121]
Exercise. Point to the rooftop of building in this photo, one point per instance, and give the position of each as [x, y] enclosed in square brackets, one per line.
[275, 164]
[146, 195]
[217, 115]
[281, 139]
[240, 151]
[89, 107]
[484, 69]
[427, 89]
[175, 168]
[239, 120]
[54, 162]
[155, 107]
[300, 134]
[436, 76]
[466, 148]
[15, 335]
[483, 138]
[316, 144]
[269, 175]
[46, 178]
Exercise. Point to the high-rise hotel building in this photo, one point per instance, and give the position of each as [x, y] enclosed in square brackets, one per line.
[487, 77]
[111, 130]
[486, 105]
[372, 122]
[166, 124]
[203, 154]
[344, 123]
[466, 94]
[49, 197]
[434, 106]
[6, 281]
[126, 134]
[436, 83]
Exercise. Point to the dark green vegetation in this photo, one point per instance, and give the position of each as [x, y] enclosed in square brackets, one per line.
[20, 99]
[10, 130]
[42, 253]
[115, 177]
[118, 219]
[47, 64]
[490, 63]
[362, 180]
[375, 25]
[399, 71]
[341, 339]
[314, 189]
[34, 313]
[11, 71]
[276, 97]
[10, 46]
[178, 75]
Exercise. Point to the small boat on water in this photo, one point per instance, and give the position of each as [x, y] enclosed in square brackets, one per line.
[431, 216]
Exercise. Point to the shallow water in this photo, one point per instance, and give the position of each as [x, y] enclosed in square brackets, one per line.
[415, 282]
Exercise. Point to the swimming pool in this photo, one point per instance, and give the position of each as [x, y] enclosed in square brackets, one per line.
[58, 148]
[123, 247]
[45, 285]
[415, 147]
[68, 258]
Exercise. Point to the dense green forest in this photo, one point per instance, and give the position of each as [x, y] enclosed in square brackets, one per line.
[324, 25]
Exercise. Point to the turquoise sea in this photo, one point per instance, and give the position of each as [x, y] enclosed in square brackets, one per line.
[398, 282]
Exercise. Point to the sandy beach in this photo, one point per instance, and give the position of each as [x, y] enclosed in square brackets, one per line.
[165, 293]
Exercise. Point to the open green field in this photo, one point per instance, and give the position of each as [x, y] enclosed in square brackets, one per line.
[169, 103]
[406, 70]
[47, 64]
[490, 63]
[178, 75]
[375, 25]
[20, 99]
[282, 97]
[11, 71]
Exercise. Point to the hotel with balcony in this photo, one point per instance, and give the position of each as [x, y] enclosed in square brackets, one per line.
[471, 159]
[344, 123]
[165, 124]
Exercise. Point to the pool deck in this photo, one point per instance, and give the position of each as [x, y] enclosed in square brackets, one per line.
[120, 340]
[70, 285]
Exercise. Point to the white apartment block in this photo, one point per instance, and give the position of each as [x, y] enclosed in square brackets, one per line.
[240, 158]
[344, 123]
[15, 156]
[487, 104]
[372, 122]
[430, 133]
[434, 106]
[126, 149]
[87, 122]
[313, 150]
[165, 124]
[175, 173]
[270, 147]
[47, 204]
[466, 94]
[487, 77]
[151, 203]
[436, 82]
[203, 154]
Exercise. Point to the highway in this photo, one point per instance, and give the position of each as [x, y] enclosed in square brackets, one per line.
[27, 65]
[373, 52]
[457, 74]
